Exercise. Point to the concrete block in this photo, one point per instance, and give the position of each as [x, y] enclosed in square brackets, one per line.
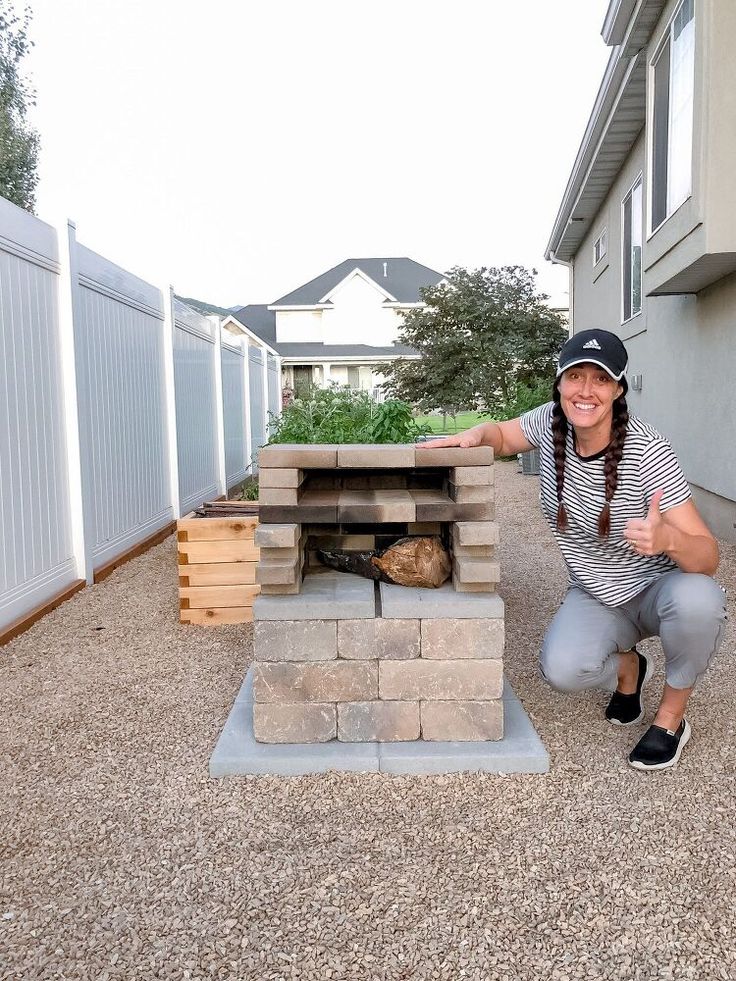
[279, 573]
[323, 596]
[300, 723]
[473, 587]
[329, 681]
[467, 570]
[280, 554]
[370, 455]
[462, 721]
[349, 543]
[472, 476]
[377, 722]
[452, 456]
[377, 506]
[277, 535]
[295, 640]
[317, 513]
[480, 494]
[474, 533]
[293, 456]
[424, 528]
[363, 640]
[410, 603]
[281, 589]
[278, 495]
[460, 680]
[268, 477]
[473, 551]
[453, 639]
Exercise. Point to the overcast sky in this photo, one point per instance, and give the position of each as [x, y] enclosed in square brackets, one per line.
[237, 149]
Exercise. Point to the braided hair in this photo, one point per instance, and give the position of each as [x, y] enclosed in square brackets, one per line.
[614, 452]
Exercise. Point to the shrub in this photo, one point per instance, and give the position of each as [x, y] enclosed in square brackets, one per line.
[339, 415]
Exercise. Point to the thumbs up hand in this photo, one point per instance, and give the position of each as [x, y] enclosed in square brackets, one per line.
[650, 535]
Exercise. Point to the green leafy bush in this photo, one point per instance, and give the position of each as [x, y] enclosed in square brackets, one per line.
[526, 396]
[339, 415]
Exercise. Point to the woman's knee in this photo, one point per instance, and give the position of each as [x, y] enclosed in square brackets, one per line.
[562, 668]
[694, 599]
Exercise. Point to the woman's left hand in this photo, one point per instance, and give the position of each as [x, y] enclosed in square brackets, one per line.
[650, 535]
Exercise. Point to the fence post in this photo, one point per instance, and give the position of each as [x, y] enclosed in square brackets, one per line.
[78, 484]
[219, 407]
[170, 401]
[265, 392]
[246, 399]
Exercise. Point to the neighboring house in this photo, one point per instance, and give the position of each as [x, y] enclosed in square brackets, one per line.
[342, 326]
[648, 226]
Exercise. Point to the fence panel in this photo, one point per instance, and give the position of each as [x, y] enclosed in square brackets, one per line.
[237, 464]
[257, 399]
[36, 553]
[196, 415]
[118, 341]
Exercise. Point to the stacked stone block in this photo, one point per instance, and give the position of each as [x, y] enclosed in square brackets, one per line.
[337, 657]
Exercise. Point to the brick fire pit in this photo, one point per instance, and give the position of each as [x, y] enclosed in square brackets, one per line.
[341, 657]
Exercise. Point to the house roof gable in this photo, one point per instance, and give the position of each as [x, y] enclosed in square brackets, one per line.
[403, 280]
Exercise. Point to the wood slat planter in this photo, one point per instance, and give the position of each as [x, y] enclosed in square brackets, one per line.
[217, 567]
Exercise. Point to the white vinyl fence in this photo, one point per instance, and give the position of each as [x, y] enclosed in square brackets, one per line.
[120, 410]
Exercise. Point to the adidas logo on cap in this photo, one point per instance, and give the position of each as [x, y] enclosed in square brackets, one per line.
[592, 344]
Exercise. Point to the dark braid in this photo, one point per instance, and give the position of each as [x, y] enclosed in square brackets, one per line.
[559, 439]
[612, 459]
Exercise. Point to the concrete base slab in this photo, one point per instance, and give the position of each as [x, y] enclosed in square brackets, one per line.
[327, 596]
[237, 752]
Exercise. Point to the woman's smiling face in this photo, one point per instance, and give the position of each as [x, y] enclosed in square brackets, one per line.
[587, 394]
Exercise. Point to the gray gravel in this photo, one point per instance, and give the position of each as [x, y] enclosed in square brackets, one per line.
[120, 858]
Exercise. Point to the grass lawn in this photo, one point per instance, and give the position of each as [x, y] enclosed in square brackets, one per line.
[463, 420]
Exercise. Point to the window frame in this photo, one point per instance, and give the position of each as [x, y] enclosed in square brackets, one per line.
[629, 196]
[603, 237]
[666, 41]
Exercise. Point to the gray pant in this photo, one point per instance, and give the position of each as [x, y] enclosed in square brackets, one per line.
[685, 609]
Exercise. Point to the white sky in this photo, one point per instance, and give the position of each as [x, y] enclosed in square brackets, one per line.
[237, 149]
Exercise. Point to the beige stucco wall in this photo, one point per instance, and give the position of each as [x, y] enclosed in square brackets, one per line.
[684, 346]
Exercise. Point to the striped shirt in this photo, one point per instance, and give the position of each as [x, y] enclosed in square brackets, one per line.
[607, 568]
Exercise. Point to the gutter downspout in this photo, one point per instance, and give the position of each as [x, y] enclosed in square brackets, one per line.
[555, 260]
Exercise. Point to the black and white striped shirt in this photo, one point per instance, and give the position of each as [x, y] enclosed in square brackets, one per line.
[606, 568]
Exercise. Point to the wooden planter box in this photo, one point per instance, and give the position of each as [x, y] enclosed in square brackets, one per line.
[217, 569]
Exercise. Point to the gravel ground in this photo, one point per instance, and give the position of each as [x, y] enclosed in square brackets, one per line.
[120, 858]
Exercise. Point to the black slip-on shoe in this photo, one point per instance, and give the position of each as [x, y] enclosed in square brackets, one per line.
[658, 748]
[627, 710]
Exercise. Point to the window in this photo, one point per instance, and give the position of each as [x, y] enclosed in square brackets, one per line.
[632, 243]
[601, 247]
[672, 124]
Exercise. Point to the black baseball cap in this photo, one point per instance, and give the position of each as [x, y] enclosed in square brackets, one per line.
[599, 347]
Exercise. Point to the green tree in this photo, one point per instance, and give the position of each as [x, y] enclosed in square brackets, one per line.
[482, 335]
[18, 140]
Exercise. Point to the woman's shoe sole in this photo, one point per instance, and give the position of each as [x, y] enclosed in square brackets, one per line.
[684, 740]
[647, 675]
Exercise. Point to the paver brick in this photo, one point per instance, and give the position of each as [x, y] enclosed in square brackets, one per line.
[462, 721]
[281, 589]
[293, 456]
[363, 640]
[278, 495]
[476, 680]
[473, 587]
[273, 477]
[452, 639]
[330, 681]
[277, 535]
[378, 721]
[471, 476]
[294, 723]
[453, 456]
[467, 570]
[279, 573]
[370, 455]
[474, 533]
[473, 494]
[295, 640]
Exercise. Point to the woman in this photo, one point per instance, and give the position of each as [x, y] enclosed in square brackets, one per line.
[639, 556]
